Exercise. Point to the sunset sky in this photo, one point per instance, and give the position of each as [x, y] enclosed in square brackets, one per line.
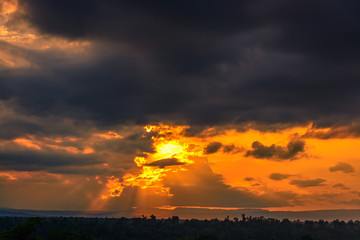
[131, 105]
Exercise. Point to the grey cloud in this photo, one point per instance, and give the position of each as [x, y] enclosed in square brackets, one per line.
[290, 152]
[308, 183]
[162, 163]
[14, 157]
[198, 63]
[279, 176]
[16, 124]
[342, 167]
[128, 145]
[66, 153]
[92, 170]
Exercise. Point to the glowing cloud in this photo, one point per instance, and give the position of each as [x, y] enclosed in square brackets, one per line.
[170, 153]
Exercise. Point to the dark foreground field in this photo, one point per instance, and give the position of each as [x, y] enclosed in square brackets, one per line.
[74, 228]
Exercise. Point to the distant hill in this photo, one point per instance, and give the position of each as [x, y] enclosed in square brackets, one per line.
[188, 213]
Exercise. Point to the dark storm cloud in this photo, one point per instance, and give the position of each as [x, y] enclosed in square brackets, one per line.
[276, 152]
[14, 124]
[308, 183]
[162, 163]
[342, 167]
[196, 62]
[135, 20]
[279, 176]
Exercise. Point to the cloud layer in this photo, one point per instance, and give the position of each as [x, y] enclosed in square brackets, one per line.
[200, 63]
[80, 78]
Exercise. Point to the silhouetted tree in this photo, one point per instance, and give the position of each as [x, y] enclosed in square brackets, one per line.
[306, 237]
[22, 231]
[173, 228]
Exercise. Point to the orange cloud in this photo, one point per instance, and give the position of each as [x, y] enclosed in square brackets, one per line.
[27, 143]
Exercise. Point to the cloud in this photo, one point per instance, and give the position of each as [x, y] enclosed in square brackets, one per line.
[15, 123]
[200, 63]
[162, 163]
[308, 183]
[212, 147]
[86, 153]
[200, 186]
[173, 62]
[354, 201]
[231, 148]
[133, 144]
[249, 179]
[346, 131]
[279, 176]
[28, 193]
[4, 178]
[34, 160]
[340, 185]
[356, 193]
[342, 167]
[274, 152]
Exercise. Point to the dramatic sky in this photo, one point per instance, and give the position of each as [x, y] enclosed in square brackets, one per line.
[126, 105]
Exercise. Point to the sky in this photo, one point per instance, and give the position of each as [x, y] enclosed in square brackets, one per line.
[136, 105]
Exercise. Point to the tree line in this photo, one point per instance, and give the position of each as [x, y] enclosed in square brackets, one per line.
[144, 228]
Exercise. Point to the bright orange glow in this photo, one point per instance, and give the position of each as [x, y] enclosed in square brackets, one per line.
[8, 7]
[88, 150]
[197, 207]
[114, 186]
[174, 152]
[27, 143]
[169, 146]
